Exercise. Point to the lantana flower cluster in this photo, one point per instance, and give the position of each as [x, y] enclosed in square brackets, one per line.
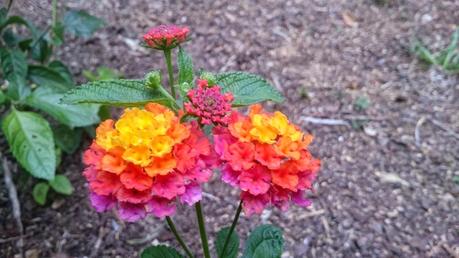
[145, 162]
[209, 104]
[165, 36]
[267, 158]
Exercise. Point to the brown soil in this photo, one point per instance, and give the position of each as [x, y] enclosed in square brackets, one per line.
[379, 194]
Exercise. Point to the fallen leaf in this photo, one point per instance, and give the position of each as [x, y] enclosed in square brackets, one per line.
[349, 19]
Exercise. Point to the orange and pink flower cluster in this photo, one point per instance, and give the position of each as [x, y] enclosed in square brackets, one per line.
[146, 161]
[267, 157]
[165, 36]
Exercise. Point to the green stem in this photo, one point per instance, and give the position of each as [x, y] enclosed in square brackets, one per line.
[171, 225]
[170, 70]
[202, 230]
[233, 226]
[54, 14]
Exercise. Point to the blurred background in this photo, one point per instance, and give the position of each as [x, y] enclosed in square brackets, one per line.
[386, 124]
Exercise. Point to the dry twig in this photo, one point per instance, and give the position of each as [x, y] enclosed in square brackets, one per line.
[417, 131]
[13, 194]
[324, 121]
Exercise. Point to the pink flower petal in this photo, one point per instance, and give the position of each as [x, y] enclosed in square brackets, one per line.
[230, 176]
[192, 195]
[300, 199]
[168, 186]
[161, 207]
[131, 212]
[254, 204]
[101, 203]
[255, 180]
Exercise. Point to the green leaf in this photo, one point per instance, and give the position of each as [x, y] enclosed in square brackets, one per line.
[57, 35]
[185, 66]
[3, 97]
[423, 53]
[118, 93]
[232, 246]
[61, 184]
[160, 251]
[31, 142]
[362, 103]
[41, 51]
[48, 77]
[10, 38]
[81, 23]
[14, 66]
[39, 192]
[21, 21]
[63, 71]
[265, 241]
[103, 73]
[247, 88]
[58, 156]
[67, 139]
[49, 101]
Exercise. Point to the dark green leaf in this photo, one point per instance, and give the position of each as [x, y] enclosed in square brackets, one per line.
[49, 101]
[57, 35]
[118, 93]
[265, 241]
[103, 73]
[39, 192]
[41, 51]
[185, 66]
[67, 139]
[3, 97]
[14, 66]
[20, 21]
[61, 184]
[232, 246]
[48, 78]
[31, 142]
[63, 71]
[82, 24]
[3, 15]
[58, 156]
[160, 251]
[10, 38]
[247, 88]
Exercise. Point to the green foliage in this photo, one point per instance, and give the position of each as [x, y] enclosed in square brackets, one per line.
[81, 24]
[265, 241]
[62, 185]
[40, 192]
[48, 100]
[233, 243]
[185, 65]
[14, 67]
[447, 59]
[31, 142]
[160, 251]
[102, 73]
[48, 77]
[362, 103]
[37, 82]
[247, 88]
[67, 139]
[118, 93]
[209, 77]
[153, 80]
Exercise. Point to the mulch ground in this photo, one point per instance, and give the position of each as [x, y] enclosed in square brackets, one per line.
[382, 192]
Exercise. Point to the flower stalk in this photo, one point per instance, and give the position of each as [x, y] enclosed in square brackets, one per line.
[233, 226]
[171, 225]
[170, 71]
[202, 230]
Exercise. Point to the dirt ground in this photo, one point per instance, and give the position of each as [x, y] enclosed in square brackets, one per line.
[382, 191]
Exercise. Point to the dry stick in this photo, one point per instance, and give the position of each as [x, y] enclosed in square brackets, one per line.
[13, 194]
[324, 121]
[417, 131]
